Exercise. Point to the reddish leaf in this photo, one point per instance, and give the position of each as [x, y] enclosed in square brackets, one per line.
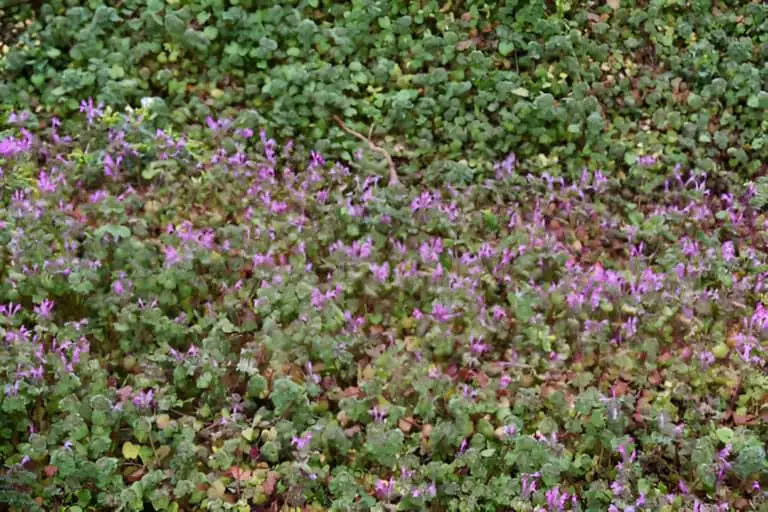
[352, 392]
[269, 484]
[136, 475]
[351, 431]
[743, 420]
[50, 470]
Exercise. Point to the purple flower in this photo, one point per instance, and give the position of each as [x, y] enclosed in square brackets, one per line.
[303, 441]
[317, 159]
[380, 272]
[385, 488]
[215, 126]
[528, 484]
[91, 112]
[97, 196]
[36, 373]
[706, 359]
[647, 161]
[723, 466]
[10, 310]
[689, 247]
[629, 328]
[143, 399]
[44, 183]
[171, 256]
[45, 308]
[112, 166]
[118, 288]
[12, 390]
[728, 252]
[556, 499]
[506, 167]
[378, 413]
[440, 313]
[477, 346]
[14, 118]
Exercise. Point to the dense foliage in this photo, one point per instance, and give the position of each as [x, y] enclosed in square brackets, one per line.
[585, 82]
[220, 299]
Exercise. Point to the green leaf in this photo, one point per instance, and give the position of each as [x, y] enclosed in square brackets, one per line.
[146, 454]
[196, 39]
[521, 91]
[750, 460]
[174, 24]
[211, 33]
[116, 72]
[204, 381]
[116, 232]
[695, 101]
[574, 128]
[720, 350]
[505, 48]
[130, 450]
[268, 44]
[285, 393]
[256, 386]
[151, 171]
[724, 434]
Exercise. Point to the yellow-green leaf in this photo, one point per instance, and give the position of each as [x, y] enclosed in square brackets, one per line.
[130, 450]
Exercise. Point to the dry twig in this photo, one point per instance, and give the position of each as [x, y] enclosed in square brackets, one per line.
[393, 180]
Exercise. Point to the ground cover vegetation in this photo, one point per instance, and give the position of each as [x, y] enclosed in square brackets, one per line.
[383, 255]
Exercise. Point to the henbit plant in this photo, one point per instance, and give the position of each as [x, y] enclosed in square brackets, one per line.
[215, 321]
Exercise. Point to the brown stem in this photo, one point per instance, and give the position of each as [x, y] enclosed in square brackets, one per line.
[393, 180]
